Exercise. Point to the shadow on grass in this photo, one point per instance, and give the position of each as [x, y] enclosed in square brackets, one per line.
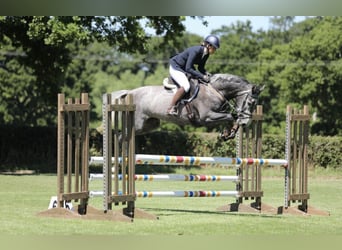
[206, 212]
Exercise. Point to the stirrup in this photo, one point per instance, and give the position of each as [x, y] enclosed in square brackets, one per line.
[172, 111]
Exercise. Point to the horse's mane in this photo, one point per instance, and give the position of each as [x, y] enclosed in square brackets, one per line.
[224, 81]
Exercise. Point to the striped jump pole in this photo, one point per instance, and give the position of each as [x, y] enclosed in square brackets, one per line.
[191, 193]
[146, 159]
[172, 177]
[199, 160]
[201, 193]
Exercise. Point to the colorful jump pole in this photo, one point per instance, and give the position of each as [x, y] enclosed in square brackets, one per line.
[191, 193]
[145, 159]
[172, 177]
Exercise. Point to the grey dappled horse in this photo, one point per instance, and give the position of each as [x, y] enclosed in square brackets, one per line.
[226, 99]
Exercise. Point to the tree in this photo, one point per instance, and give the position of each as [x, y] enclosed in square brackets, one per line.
[317, 79]
[307, 71]
[36, 52]
[239, 49]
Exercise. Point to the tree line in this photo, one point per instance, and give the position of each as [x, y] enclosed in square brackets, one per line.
[40, 56]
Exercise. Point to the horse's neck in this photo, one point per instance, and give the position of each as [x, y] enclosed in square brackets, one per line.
[228, 90]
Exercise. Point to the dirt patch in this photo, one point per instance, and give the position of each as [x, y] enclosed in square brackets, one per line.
[95, 214]
[141, 214]
[296, 211]
[60, 213]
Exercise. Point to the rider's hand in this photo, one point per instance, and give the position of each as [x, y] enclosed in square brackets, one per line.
[206, 78]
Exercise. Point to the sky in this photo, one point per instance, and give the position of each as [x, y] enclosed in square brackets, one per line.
[195, 26]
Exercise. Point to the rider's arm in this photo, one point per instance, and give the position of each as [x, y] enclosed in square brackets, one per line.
[191, 60]
[201, 65]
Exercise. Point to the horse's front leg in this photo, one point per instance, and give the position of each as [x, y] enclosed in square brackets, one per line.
[226, 134]
[217, 116]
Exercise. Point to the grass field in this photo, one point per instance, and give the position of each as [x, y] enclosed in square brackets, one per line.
[23, 197]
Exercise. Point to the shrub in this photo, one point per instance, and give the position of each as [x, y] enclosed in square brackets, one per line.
[36, 148]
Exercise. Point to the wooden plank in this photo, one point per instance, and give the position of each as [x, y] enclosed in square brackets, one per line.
[75, 196]
[299, 197]
[121, 107]
[300, 117]
[85, 156]
[257, 117]
[60, 149]
[252, 194]
[69, 116]
[75, 107]
[121, 198]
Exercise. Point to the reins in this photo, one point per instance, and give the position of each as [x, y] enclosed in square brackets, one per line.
[231, 102]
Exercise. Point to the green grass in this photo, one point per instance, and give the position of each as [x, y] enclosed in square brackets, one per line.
[22, 197]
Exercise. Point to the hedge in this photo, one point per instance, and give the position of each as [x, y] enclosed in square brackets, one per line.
[35, 148]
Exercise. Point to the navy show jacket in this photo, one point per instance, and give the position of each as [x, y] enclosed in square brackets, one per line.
[186, 60]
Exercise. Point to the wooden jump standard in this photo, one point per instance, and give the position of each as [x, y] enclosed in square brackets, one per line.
[73, 151]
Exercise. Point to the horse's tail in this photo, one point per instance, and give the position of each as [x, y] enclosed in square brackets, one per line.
[119, 94]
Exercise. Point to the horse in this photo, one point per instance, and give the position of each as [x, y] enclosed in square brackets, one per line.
[226, 99]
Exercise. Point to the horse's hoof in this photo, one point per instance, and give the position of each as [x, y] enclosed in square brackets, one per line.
[227, 137]
[231, 136]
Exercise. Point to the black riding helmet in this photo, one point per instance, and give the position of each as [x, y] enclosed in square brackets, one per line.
[213, 40]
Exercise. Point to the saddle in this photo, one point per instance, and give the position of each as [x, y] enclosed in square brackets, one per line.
[186, 100]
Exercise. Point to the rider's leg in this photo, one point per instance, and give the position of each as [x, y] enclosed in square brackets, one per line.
[184, 84]
[178, 95]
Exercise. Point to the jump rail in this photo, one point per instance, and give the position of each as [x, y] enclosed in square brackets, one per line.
[145, 159]
[171, 177]
[200, 193]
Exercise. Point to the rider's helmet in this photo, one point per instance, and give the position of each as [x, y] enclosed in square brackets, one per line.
[213, 40]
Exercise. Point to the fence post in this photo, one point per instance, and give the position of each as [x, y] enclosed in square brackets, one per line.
[249, 145]
[118, 120]
[73, 151]
[296, 172]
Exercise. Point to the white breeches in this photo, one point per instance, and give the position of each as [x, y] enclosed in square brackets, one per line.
[180, 78]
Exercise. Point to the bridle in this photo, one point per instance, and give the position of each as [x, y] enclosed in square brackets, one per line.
[232, 103]
[247, 94]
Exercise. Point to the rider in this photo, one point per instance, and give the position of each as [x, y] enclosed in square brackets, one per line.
[184, 62]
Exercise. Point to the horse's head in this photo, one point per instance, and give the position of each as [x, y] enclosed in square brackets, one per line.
[246, 102]
[237, 90]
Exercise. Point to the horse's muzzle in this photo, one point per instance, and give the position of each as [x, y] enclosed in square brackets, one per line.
[244, 121]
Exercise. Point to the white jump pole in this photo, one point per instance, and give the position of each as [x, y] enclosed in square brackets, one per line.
[201, 193]
[144, 159]
[172, 177]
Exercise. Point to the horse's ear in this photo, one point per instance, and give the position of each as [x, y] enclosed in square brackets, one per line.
[257, 89]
